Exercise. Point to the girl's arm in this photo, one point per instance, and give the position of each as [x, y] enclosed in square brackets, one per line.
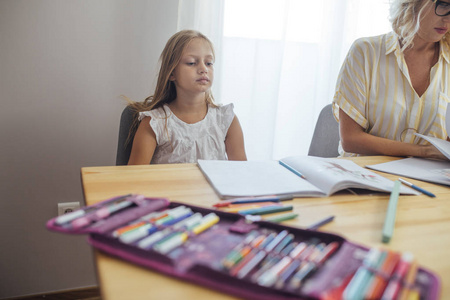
[234, 141]
[144, 144]
[355, 140]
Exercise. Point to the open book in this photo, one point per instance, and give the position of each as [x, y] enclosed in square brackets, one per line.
[324, 177]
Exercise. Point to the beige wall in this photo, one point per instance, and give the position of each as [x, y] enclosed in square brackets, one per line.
[63, 66]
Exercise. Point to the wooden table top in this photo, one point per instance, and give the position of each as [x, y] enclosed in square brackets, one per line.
[422, 223]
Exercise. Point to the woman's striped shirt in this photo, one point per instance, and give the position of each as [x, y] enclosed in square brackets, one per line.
[375, 90]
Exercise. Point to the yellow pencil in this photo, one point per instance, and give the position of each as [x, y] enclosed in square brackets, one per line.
[207, 222]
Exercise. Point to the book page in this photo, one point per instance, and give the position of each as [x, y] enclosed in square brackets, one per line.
[333, 174]
[440, 144]
[255, 178]
[435, 171]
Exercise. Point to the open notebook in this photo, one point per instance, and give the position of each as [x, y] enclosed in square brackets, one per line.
[324, 177]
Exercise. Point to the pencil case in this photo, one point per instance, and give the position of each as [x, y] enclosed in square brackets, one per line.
[223, 251]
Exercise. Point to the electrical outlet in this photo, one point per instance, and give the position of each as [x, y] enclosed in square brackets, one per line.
[67, 207]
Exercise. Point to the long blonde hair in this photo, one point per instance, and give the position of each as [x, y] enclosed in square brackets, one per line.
[405, 17]
[165, 91]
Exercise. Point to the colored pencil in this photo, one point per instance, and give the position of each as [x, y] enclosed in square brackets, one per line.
[389, 222]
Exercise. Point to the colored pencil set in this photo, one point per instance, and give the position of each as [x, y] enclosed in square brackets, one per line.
[384, 275]
[163, 231]
[275, 260]
[251, 260]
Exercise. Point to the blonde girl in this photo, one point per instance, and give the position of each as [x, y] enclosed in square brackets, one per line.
[181, 123]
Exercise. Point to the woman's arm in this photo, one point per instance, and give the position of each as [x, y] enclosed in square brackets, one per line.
[144, 144]
[234, 141]
[355, 140]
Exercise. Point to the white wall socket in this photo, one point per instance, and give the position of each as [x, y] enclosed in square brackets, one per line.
[67, 207]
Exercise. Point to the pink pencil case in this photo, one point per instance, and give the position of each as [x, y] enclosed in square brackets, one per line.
[220, 250]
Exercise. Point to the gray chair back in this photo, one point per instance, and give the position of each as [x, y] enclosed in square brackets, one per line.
[325, 140]
[124, 148]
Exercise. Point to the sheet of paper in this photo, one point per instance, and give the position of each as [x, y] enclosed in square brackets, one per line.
[417, 168]
[441, 145]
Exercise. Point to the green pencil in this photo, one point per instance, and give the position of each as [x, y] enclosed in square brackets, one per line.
[389, 222]
[281, 218]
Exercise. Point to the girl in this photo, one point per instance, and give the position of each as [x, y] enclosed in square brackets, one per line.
[180, 123]
[394, 85]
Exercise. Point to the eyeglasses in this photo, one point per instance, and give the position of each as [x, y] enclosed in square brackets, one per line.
[442, 8]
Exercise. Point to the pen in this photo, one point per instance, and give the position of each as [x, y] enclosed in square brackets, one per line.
[265, 210]
[292, 170]
[389, 221]
[417, 188]
[320, 223]
[253, 199]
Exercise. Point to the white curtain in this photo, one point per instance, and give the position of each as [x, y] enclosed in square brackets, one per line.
[278, 61]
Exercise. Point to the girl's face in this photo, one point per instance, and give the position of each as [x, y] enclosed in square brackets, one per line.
[194, 73]
[434, 27]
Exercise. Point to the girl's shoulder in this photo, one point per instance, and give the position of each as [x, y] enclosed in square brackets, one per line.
[222, 115]
[157, 113]
[222, 109]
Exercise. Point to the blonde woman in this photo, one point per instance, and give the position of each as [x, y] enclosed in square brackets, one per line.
[180, 123]
[397, 84]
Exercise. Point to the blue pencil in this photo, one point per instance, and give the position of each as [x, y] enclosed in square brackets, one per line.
[320, 223]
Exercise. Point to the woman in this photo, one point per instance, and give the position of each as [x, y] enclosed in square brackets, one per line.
[395, 85]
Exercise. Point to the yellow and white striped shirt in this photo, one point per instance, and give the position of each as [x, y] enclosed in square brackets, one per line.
[375, 90]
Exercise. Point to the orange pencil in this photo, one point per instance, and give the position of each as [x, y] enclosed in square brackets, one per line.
[376, 289]
[127, 228]
[258, 240]
[160, 217]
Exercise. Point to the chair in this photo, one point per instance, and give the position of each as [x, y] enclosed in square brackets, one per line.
[124, 148]
[325, 140]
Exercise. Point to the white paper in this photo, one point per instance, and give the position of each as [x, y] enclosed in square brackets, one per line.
[254, 178]
[442, 145]
[416, 168]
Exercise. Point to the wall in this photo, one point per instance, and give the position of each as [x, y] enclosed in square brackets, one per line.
[64, 65]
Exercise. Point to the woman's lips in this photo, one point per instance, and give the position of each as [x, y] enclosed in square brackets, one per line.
[441, 30]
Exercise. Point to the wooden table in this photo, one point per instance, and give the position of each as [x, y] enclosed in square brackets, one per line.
[422, 224]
